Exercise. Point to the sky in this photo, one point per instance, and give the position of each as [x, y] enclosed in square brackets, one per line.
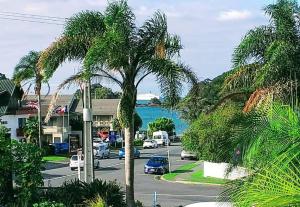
[209, 31]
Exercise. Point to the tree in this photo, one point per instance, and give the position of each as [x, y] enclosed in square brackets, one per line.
[163, 124]
[26, 71]
[211, 135]
[155, 101]
[31, 130]
[6, 181]
[268, 58]
[110, 44]
[100, 92]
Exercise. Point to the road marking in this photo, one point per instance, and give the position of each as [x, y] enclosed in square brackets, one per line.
[174, 195]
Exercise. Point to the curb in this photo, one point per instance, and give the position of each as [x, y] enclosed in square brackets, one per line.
[187, 182]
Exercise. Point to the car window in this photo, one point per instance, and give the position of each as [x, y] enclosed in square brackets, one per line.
[74, 158]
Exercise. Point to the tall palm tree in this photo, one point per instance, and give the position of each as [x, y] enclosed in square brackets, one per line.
[113, 47]
[268, 57]
[26, 71]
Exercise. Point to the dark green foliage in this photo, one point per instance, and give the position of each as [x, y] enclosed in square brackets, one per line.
[48, 204]
[27, 164]
[100, 92]
[210, 136]
[2, 76]
[163, 124]
[31, 130]
[76, 123]
[77, 192]
[155, 101]
[138, 122]
[6, 191]
[138, 142]
[200, 98]
[48, 150]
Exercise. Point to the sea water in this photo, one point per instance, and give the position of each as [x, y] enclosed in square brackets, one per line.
[150, 113]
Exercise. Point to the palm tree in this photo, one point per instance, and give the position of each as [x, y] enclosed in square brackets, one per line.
[268, 57]
[270, 150]
[27, 72]
[114, 48]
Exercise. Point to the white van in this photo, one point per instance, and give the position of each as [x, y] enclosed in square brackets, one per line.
[161, 137]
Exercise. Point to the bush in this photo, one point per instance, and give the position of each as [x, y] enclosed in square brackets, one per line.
[48, 150]
[48, 204]
[77, 192]
[211, 135]
[138, 142]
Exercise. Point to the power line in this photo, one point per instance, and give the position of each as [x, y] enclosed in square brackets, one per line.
[32, 18]
[33, 15]
[24, 17]
[28, 20]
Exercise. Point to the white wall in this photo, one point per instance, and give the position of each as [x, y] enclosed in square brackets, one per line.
[12, 123]
[218, 170]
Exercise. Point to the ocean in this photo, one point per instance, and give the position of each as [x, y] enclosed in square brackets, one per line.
[149, 114]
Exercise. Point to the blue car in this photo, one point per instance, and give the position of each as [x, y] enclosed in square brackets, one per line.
[137, 153]
[157, 165]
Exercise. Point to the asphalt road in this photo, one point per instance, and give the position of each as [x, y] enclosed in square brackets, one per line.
[168, 194]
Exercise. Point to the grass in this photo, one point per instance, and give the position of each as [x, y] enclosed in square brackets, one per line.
[183, 169]
[196, 177]
[199, 177]
[55, 158]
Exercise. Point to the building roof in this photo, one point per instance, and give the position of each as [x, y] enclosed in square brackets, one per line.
[63, 100]
[7, 90]
[101, 106]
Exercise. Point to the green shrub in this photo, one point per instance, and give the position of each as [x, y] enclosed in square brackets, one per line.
[97, 202]
[48, 150]
[48, 204]
[138, 142]
[77, 192]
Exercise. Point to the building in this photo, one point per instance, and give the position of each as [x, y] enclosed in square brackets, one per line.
[10, 96]
[104, 112]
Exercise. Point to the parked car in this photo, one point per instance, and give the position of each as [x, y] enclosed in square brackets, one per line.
[101, 151]
[157, 165]
[74, 162]
[188, 155]
[136, 152]
[150, 143]
[161, 137]
[210, 204]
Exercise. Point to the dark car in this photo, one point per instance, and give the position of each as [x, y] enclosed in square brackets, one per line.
[136, 152]
[157, 165]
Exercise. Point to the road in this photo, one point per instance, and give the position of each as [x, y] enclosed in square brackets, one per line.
[169, 194]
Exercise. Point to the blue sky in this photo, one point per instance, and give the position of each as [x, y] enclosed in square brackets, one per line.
[209, 29]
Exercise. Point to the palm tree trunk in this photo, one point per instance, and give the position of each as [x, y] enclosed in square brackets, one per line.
[129, 165]
[38, 94]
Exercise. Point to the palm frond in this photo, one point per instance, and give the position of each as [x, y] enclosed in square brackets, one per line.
[26, 69]
[253, 46]
[65, 48]
[74, 79]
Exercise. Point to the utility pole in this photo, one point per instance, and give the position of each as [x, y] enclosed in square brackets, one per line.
[88, 143]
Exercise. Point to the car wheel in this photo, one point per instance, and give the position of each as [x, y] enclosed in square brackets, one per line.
[182, 158]
[120, 158]
[98, 165]
[102, 157]
[72, 168]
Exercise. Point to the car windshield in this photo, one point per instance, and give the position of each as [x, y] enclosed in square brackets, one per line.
[157, 137]
[157, 160]
[148, 141]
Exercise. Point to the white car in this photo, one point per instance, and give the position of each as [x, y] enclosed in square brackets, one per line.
[188, 155]
[101, 151]
[210, 204]
[74, 162]
[150, 143]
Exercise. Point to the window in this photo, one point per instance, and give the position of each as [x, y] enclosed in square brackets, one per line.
[21, 122]
[3, 122]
